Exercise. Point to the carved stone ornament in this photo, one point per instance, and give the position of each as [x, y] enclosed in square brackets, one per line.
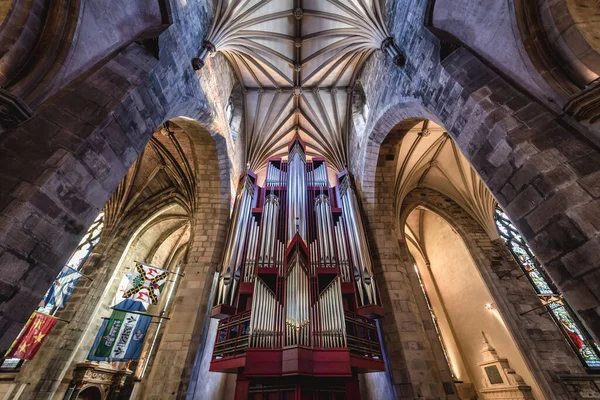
[585, 106]
[100, 375]
[13, 111]
[500, 381]
[390, 47]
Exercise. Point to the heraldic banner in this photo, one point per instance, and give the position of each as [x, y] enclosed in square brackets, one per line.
[62, 287]
[31, 337]
[146, 283]
[121, 337]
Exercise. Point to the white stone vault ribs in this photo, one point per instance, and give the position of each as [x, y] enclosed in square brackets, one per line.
[297, 61]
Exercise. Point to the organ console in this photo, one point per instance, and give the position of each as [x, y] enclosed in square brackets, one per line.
[296, 298]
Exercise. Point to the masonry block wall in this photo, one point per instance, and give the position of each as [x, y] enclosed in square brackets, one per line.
[62, 165]
[541, 169]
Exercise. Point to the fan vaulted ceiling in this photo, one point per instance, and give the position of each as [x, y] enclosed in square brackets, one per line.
[428, 157]
[297, 60]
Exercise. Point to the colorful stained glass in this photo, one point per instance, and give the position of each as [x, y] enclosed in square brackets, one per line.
[81, 253]
[87, 244]
[574, 332]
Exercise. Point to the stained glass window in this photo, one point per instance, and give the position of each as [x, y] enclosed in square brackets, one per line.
[581, 342]
[435, 322]
[76, 261]
[87, 244]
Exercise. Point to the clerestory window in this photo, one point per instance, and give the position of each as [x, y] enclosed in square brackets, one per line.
[552, 300]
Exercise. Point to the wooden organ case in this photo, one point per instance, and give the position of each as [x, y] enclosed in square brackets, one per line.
[296, 298]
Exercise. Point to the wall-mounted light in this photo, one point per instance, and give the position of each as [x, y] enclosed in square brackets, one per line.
[489, 306]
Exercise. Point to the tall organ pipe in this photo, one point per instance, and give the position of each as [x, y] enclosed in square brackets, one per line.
[358, 243]
[297, 192]
[329, 232]
[235, 243]
[271, 212]
[324, 229]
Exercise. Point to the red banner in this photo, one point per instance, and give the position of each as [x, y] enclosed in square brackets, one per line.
[31, 337]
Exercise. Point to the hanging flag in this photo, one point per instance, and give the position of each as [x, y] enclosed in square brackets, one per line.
[31, 337]
[121, 289]
[121, 337]
[62, 287]
[146, 283]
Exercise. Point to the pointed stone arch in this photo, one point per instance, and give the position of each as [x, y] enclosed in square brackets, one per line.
[541, 172]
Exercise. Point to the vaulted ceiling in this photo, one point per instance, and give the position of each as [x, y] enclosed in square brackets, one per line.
[428, 157]
[298, 61]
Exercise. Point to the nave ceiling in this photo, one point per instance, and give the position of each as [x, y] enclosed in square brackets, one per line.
[297, 61]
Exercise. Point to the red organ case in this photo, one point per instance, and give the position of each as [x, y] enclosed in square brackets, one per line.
[296, 298]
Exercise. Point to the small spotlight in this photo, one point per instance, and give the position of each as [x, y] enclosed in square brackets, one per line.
[489, 306]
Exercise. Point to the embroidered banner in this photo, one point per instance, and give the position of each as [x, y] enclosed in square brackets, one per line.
[121, 337]
[62, 287]
[146, 283]
[31, 337]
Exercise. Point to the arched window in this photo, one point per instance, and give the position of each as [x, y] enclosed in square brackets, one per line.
[87, 244]
[229, 111]
[78, 257]
[574, 332]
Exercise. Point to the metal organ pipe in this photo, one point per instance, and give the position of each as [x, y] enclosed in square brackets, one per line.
[341, 249]
[358, 242]
[320, 176]
[235, 244]
[297, 306]
[271, 211]
[325, 230]
[331, 309]
[297, 192]
[264, 305]
[251, 258]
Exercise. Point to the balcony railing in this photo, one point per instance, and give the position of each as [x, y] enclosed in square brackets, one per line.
[232, 336]
[362, 336]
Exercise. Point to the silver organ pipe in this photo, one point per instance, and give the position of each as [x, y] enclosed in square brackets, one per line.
[324, 230]
[262, 320]
[251, 257]
[358, 244]
[232, 262]
[297, 317]
[342, 251]
[296, 192]
[320, 176]
[270, 214]
[330, 305]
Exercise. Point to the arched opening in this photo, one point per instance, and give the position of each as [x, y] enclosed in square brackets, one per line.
[170, 213]
[90, 393]
[421, 169]
[463, 310]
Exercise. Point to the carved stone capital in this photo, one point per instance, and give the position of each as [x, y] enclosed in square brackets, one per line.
[13, 111]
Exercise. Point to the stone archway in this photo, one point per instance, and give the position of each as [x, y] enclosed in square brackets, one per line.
[543, 174]
[182, 176]
[511, 295]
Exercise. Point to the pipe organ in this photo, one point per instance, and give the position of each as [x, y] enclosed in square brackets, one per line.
[296, 298]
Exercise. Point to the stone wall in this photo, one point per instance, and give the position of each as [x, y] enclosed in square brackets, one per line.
[62, 165]
[540, 169]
